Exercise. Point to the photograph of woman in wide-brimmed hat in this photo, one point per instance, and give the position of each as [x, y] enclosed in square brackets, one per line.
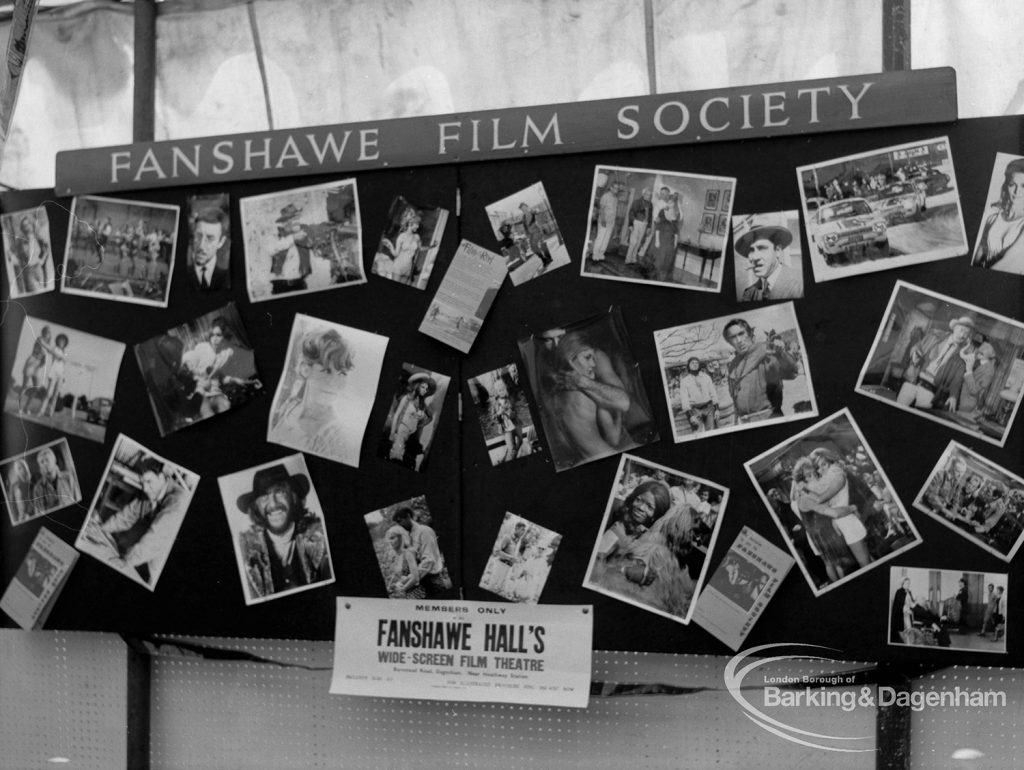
[410, 425]
[1000, 243]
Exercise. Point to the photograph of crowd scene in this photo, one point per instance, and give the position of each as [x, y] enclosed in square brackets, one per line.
[121, 250]
[977, 499]
[832, 502]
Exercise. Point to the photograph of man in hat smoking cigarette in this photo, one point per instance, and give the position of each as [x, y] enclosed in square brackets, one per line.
[768, 261]
[137, 511]
[277, 526]
[948, 361]
[303, 240]
[1000, 243]
[413, 418]
[878, 210]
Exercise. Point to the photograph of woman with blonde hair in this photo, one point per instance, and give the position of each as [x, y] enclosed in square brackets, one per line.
[324, 397]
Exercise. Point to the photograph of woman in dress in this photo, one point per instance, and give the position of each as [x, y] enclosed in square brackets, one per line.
[403, 579]
[408, 247]
[1000, 243]
[504, 414]
[659, 525]
[325, 395]
[413, 417]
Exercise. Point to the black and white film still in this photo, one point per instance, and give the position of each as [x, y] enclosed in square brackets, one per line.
[302, 240]
[882, 209]
[520, 560]
[413, 418]
[658, 227]
[408, 552]
[947, 609]
[1000, 243]
[277, 528]
[408, 246]
[586, 383]
[208, 267]
[527, 234]
[836, 509]
[735, 372]
[137, 511]
[768, 260]
[499, 397]
[199, 369]
[63, 378]
[947, 361]
[28, 252]
[977, 499]
[121, 250]
[658, 528]
[40, 481]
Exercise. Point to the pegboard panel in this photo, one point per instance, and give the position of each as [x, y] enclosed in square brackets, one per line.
[212, 714]
[966, 737]
[64, 696]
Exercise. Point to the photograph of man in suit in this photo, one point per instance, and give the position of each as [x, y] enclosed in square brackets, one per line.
[209, 235]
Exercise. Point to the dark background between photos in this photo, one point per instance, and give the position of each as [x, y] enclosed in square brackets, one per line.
[199, 591]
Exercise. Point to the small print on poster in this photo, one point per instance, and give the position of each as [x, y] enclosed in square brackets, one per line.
[657, 227]
[504, 414]
[40, 481]
[948, 609]
[528, 234]
[837, 510]
[768, 260]
[483, 652]
[413, 417]
[121, 250]
[464, 297]
[137, 512]
[947, 361]
[408, 553]
[408, 247]
[1000, 243]
[520, 560]
[63, 378]
[36, 585]
[199, 369]
[977, 499]
[736, 372]
[301, 241]
[277, 527]
[209, 249]
[882, 209]
[326, 391]
[28, 252]
[658, 528]
[586, 383]
[740, 588]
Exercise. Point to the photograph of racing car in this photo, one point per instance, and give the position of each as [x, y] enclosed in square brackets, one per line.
[882, 209]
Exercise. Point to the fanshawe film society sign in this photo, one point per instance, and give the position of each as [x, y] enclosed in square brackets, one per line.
[807, 106]
[466, 651]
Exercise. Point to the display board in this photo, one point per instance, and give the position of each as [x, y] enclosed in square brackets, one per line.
[199, 590]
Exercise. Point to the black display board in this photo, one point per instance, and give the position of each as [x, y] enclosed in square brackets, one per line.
[199, 591]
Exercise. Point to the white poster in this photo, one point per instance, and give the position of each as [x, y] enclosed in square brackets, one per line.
[489, 652]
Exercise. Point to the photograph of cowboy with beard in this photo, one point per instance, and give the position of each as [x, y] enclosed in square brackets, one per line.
[277, 525]
[836, 525]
